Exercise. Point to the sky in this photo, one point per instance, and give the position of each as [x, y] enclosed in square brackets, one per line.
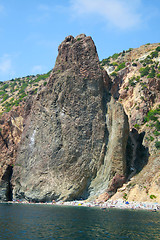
[31, 30]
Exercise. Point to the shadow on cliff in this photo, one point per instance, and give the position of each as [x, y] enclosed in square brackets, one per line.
[5, 185]
[136, 153]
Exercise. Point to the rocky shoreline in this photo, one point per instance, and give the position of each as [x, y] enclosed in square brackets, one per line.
[110, 204]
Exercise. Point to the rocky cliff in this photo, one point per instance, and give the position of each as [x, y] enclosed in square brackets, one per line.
[84, 132]
[65, 140]
[136, 84]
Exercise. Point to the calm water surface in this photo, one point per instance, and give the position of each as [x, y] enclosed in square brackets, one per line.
[18, 221]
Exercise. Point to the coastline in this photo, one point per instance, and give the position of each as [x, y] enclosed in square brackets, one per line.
[110, 204]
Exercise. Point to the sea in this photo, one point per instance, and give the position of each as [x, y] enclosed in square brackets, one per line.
[49, 222]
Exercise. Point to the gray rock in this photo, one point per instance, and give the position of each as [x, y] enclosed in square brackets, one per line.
[115, 157]
[60, 150]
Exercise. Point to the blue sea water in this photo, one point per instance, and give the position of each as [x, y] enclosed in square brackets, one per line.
[33, 222]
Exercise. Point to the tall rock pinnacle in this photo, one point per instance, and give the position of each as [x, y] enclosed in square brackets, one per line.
[62, 142]
[63, 145]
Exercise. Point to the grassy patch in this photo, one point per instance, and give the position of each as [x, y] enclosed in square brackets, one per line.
[120, 66]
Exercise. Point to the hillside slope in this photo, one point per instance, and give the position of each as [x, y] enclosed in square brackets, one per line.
[135, 78]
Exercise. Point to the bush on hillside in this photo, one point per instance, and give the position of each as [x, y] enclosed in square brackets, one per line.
[115, 56]
[154, 54]
[120, 66]
[158, 49]
[152, 73]
[157, 144]
[144, 71]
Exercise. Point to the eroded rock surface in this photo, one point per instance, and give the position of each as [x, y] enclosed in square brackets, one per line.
[11, 128]
[62, 144]
[113, 169]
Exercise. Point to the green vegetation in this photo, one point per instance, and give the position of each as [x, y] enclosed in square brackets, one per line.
[152, 196]
[152, 73]
[146, 61]
[17, 90]
[158, 49]
[157, 125]
[154, 54]
[2, 93]
[4, 86]
[114, 63]
[137, 126]
[151, 115]
[129, 50]
[125, 196]
[120, 66]
[5, 97]
[156, 133]
[127, 88]
[115, 56]
[151, 138]
[157, 144]
[158, 75]
[42, 77]
[134, 80]
[113, 74]
[105, 61]
[144, 71]
[144, 85]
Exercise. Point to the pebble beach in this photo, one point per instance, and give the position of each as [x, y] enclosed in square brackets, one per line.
[120, 204]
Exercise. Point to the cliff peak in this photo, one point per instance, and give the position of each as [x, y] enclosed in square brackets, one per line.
[77, 52]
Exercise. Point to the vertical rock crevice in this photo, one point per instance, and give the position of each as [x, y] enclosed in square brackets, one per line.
[137, 154]
[5, 185]
[111, 174]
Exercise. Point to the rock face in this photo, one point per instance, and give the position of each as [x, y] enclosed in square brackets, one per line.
[11, 127]
[114, 165]
[61, 145]
[137, 86]
[73, 139]
[68, 141]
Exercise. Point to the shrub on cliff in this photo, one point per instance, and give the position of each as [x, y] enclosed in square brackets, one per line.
[115, 56]
[2, 93]
[4, 86]
[157, 144]
[105, 61]
[157, 125]
[144, 71]
[154, 54]
[113, 74]
[151, 115]
[5, 97]
[120, 66]
[158, 75]
[152, 73]
[158, 49]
